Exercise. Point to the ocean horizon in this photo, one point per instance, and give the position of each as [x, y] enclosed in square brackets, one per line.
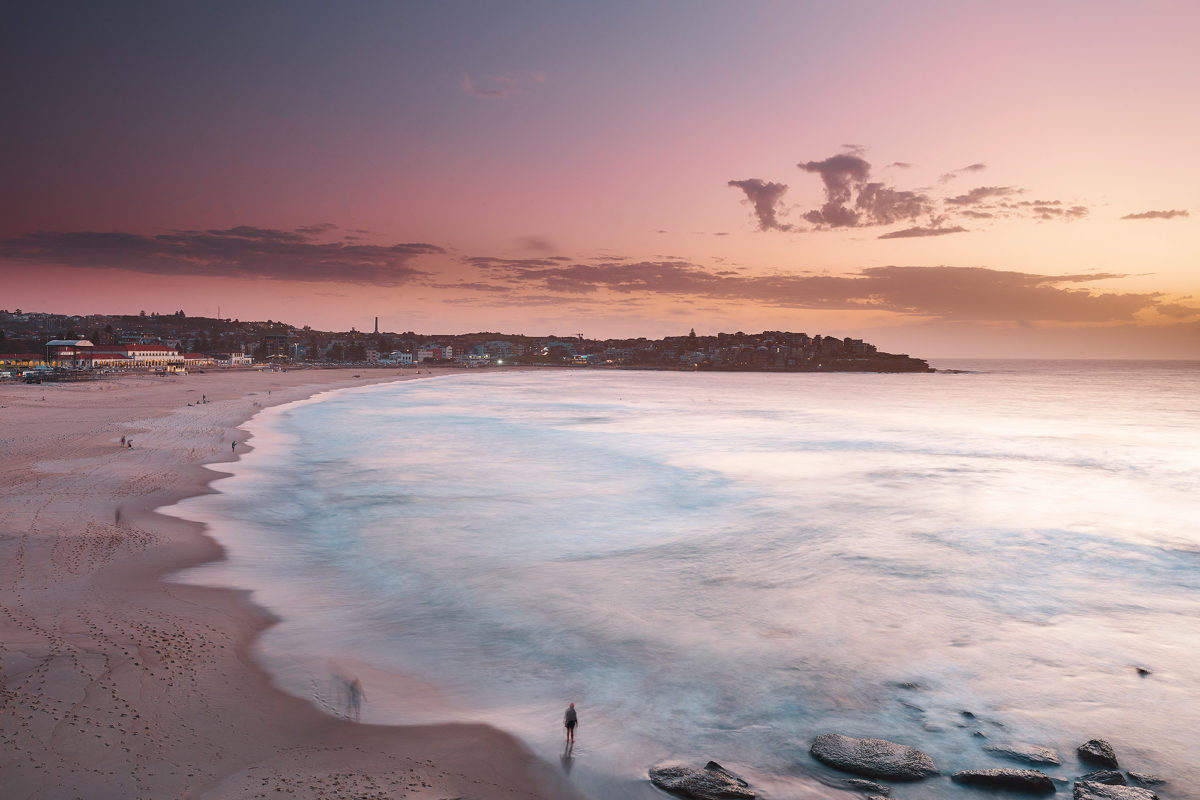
[724, 565]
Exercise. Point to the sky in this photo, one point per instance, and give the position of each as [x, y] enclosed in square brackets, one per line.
[946, 179]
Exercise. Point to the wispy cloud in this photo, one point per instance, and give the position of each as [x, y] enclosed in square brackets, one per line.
[241, 252]
[954, 173]
[500, 87]
[910, 233]
[1157, 215]
[962, 293]
[981, 194]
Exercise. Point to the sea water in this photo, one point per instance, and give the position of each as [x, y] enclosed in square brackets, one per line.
[721, 566]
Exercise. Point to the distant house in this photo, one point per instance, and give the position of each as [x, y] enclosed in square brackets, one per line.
[396, 357]
[232, 359]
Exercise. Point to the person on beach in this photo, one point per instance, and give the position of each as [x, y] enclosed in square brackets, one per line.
[570, 720]
[233, 447]
[354, 698]
[122, 441]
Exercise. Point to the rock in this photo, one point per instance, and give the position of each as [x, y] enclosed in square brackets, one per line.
[873, 758]
[1018, 780]
[1109, 776]
[1098, 752]
[1029, 753]
[713, 782]
[1148, 780]
[868, 786]
[1085, 790]
[1143, 671]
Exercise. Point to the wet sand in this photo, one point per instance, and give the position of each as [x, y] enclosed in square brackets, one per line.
[117, 683]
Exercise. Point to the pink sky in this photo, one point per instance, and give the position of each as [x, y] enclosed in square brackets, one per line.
[946, 179]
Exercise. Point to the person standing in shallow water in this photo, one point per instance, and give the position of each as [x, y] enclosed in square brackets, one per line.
[570, 720]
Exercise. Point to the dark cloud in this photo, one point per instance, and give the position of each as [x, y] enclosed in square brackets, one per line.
[766, 198]
[884, 205]
[241, 252]
[910, 233]
[1157, 215]
[845, 178]
[966, 293]
[900, 165]
[852, 200]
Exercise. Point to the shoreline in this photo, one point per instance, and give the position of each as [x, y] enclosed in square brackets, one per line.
[118, 682]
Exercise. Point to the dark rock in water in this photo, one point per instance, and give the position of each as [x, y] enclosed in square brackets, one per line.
[1085, 790]
[1109, 776]
[1148, 780]
[873, 758]
[868, 786]
[980, 734]
[1029, 753]
[713, 782]
[967, 714]
[1098, 752]
[1143, 671]
[1018, 780]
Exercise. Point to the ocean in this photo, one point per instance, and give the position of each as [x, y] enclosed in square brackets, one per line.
[722, 566]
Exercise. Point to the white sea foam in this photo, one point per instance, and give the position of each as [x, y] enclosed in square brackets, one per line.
[724, 565]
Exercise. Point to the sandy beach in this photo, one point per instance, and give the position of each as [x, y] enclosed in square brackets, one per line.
[118, 683]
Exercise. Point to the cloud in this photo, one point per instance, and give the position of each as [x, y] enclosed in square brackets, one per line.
[981, 194]
[954, 173]
[496, 87]
[909, 233]
[536, 244]
[241, 252]
[500, 87]
[1178, 310]
[766, 198]
[1157, 215]
[960, 293]
[845, 178]
[853, 200]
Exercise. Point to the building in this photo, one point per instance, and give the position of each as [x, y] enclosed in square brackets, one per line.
[232, 359]
[141, 355]
[69, 352]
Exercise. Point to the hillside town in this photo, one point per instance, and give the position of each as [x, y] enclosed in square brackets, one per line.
[37, 345]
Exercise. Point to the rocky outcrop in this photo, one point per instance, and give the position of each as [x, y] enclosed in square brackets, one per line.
[713, 782]
[1018, 780]
[871, 787]
[1147, 780]
[872, 758]
[1110, 776]
[1086, 790]
[1029, 753]
[1098, 752]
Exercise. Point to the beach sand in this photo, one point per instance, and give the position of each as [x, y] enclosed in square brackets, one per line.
[117, 683]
